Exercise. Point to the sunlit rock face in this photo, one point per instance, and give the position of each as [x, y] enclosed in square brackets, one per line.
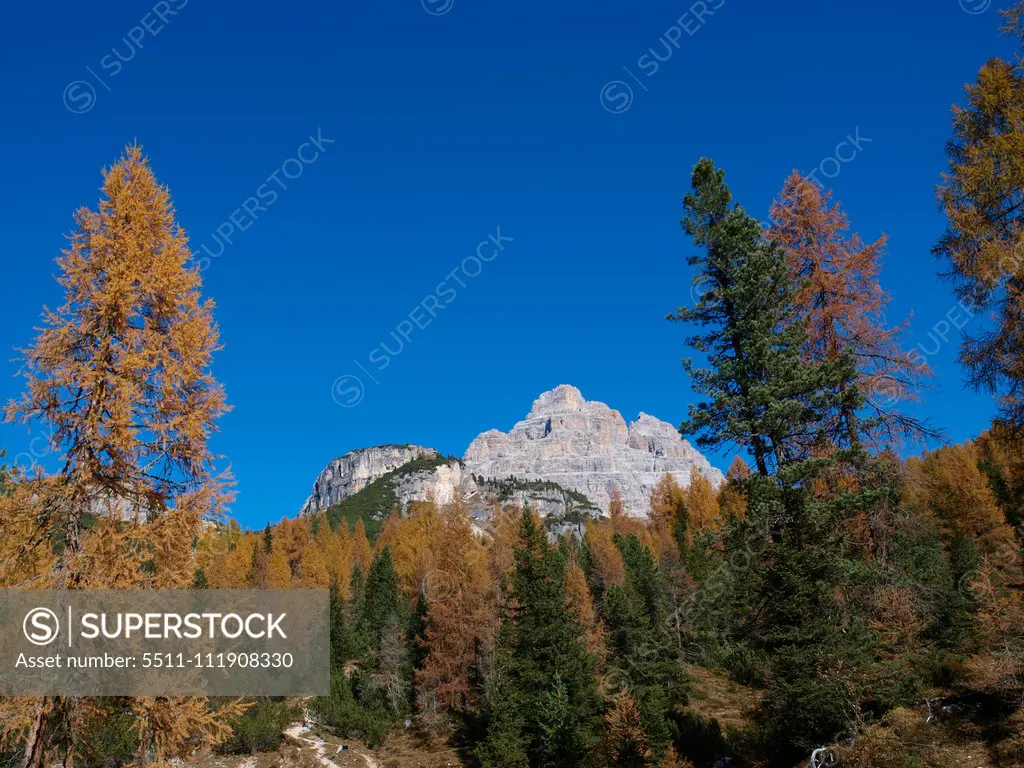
[579, 445]
[349, 474]
[588, 447]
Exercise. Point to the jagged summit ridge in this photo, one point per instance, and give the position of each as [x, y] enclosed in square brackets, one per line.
[580, 445]
[587, 446]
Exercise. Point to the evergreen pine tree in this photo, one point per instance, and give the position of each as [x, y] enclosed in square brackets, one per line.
[544, 706]
[341, 640]
[760, 393]
[385, 670]
[763, 395]
[644, 647]
[382, 599]
[199, 579]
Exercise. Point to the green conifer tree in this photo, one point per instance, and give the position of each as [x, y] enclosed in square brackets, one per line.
[199, 580]
[544, 706]
[645, 650]
[761, 395]
[382, 599]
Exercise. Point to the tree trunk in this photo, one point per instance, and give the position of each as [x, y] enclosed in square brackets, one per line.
[35, 743]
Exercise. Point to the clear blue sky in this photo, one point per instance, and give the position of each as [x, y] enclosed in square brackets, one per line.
[450, 121]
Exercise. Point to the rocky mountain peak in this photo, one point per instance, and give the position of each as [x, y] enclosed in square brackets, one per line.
[568, 453]
[587, 447]
[564, 397]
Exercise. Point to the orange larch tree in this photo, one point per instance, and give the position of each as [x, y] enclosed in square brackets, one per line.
[120, 375]
[702, 502]
[842, 304]
[732, 499]
[984, 239]
[581, 603]
[362, 551]
[609, 568]
[337, 550]
[461, 601]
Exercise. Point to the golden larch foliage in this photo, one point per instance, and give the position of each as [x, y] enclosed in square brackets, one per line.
[362, 552]
[667, 499]
[732, 500]
[414, 543]
[608, 563]
[949, 484]
[461, 620]
[505, 522]
[312, 572]
[279, 572]
[840, 299]
[702, 501]
[984, 238]
[23, 560]
[581, 604]
[624, 734]
[120, 375]
[337, 550]
[668, 503]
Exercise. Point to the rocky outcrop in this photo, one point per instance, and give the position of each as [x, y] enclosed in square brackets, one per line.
[349, 474]
[442, 484]
[588, 447]
[564, 459]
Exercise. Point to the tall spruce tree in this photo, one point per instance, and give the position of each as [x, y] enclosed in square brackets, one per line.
[544, 705]
[382, 599]
[384, 682]
[760, 393]
[644, 647]
[763, 395]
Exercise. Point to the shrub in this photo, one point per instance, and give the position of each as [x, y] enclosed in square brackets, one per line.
[260, 728]
[347, 717]
[109, 740]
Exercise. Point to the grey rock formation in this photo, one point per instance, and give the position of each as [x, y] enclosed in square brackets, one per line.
[587, 447]
[352, 472]
[566, 457]
[441, 484]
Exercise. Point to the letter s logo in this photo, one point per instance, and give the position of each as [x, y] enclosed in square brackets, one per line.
[41, 626]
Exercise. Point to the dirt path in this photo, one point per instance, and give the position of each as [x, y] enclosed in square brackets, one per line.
[320, 747]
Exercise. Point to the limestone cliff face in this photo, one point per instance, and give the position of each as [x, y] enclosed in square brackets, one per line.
[566, 457]
[349, 474]
[442, 484]
[588, 447]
